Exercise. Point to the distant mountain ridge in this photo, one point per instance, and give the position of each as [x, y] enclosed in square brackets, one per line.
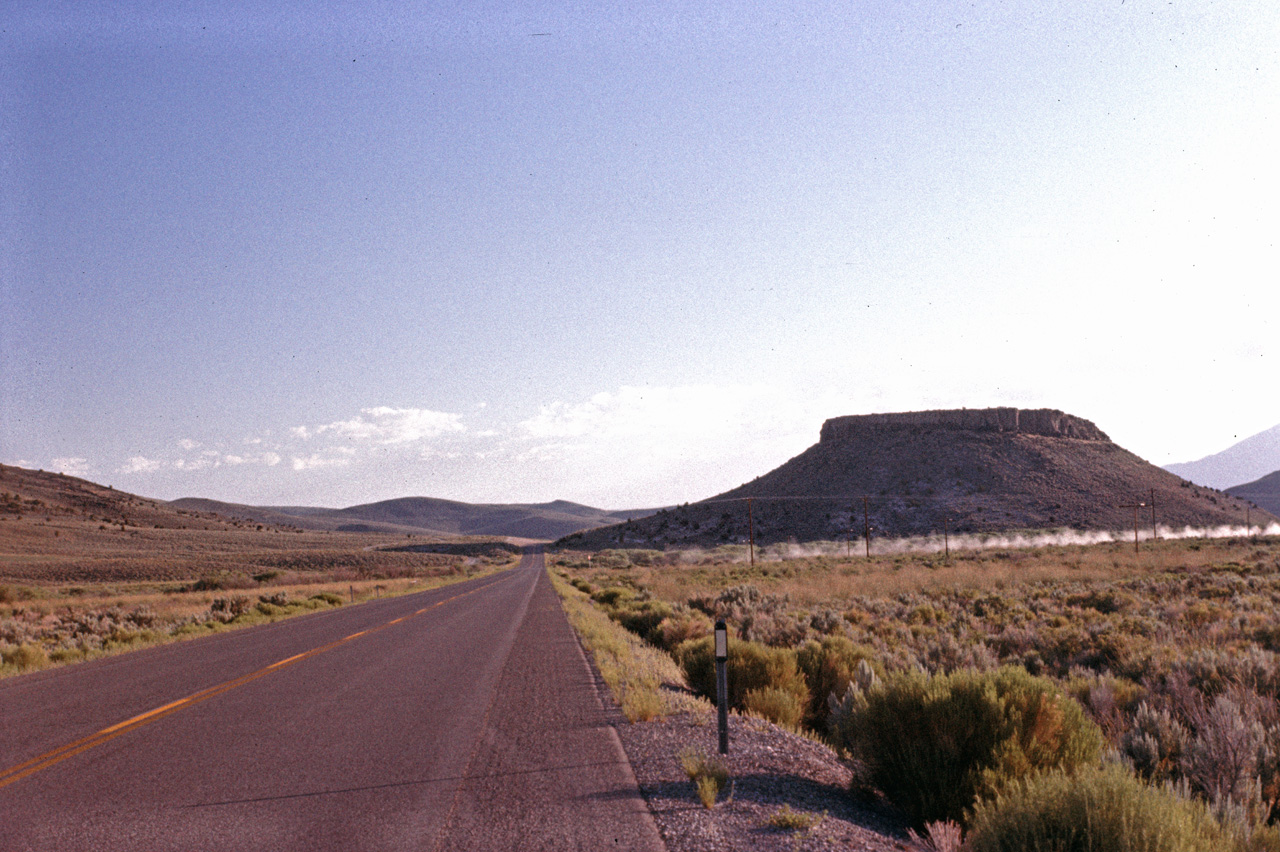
[1264, 492]
[918, 473]
[428, 515]
[1240, 463]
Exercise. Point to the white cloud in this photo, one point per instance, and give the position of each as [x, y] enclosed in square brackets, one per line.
[316, 461]
[140, 464]
[205, 460]
[627, 446]
[385, 425]
[188, 444]
[202, 462]
[71, 466]
[267, 459]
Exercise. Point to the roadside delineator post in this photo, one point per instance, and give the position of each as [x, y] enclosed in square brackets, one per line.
[722, 683]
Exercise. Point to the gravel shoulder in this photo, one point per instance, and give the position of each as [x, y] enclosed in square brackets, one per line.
[769, 768]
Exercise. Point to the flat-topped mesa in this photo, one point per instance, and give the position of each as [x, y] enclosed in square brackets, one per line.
[1039, 421]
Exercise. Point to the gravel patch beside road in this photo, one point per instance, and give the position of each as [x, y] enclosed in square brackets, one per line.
[768, 768]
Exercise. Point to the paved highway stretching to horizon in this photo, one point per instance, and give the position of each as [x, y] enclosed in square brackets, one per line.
[461, 718]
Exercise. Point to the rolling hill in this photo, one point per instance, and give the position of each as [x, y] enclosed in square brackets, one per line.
[968, 470]
[1264, 492]
[28, 493]
[41, 494]
[426, 515]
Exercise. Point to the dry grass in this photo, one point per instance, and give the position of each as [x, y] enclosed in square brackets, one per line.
[709, 775]
[59, 629]
[75, 586]
[646, 683]
[786, 819]
[66, 551]
[813, 580]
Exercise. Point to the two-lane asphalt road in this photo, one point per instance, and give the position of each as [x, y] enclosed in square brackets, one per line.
[457, 719]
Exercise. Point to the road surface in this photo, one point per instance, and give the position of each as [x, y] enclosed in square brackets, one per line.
[464, 718]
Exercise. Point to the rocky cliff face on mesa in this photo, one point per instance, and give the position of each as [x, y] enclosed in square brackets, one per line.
[1040, 421]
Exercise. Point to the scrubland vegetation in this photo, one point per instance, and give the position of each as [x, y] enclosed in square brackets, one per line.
[642, 678]
[1060, 698]
[44, 623]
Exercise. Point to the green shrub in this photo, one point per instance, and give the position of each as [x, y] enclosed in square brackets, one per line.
[612, 559]
[936, 744]
[776, 705]
[696, 657]
[1101, 811]
[123, 638]
[67, 655]
[786, 819]
[751, 666]
[643, 618]
[328, 597]
[25, 656]
[828, 668]
[681, 627]
[613, 596]
[222, 582]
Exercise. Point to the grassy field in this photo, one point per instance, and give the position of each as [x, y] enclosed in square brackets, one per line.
[1174, 651]
[73, 588]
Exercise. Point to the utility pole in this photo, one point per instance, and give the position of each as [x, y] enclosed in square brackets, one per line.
[751, 532]
[866, 525]
[1135, 507]
[848, 536]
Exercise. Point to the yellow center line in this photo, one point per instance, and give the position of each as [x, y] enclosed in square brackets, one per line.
[142, 716]
[286, 661]
[44, 761]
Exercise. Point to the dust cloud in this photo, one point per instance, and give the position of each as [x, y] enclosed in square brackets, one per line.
[970, 541]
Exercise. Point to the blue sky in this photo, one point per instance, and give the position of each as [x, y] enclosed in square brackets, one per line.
[331, 253]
